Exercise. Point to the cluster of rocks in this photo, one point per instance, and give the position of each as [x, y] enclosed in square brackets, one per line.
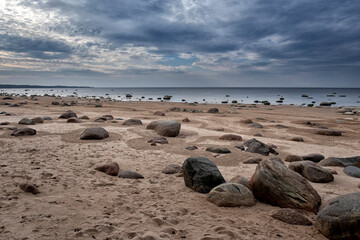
[274, 183]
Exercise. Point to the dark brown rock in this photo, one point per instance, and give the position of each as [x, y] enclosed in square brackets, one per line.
[26, 187]
[185, 120]
[111, 168]
[293, 158]
[165, 128]
[23, 132]
[213, 110]
[256, 146]
[231, 137]
[218, 150]
[314, 157]
[68, 114]
[160, 140]
[38, 120]
[73, 120]
[132, 122]
[277, 185]
[253, 161]
[247, 121]
[26, 121]
[191, 148]
[312, 171]
[95, 133]
[292, 217]
[328, 132]
[158, 113]
[131, 175]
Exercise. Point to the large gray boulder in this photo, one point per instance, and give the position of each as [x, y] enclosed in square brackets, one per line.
[256, 146]
[38, 120]
[340, 218]
[95, 133]
[341, 162]
[218, 150]
[231, 195]
[277, 185]
[213, 110]
[165, 128]
[201, 174]
[312, 171]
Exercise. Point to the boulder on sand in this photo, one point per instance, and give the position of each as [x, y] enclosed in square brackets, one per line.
[292, 217]
[73, 120]
[328, 132]
[352, 171]
[231, 195]
[132, 122]
[341, 162]
[38, 120]
[130, 175]
[293, 158]
[218, 150]
[256, 146]
[165, 128]
[68, 114]
[111, 168]
[231, 137]
[213, 110]
[26, 121]
[23, 132]
[172, 169]
[314, 157]
[340, 218]
[277, 185]
[95, 133]
[312, 171]
[201, 174]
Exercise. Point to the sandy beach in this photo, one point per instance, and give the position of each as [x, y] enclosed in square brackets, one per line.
[78, 202]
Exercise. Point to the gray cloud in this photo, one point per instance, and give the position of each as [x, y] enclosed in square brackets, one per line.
[269, 38]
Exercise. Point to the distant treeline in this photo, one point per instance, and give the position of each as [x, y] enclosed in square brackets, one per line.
[38, 86]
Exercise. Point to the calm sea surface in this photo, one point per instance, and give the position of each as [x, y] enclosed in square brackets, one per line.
[342, 96]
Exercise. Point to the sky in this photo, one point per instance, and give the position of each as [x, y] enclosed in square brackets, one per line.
[187, 43]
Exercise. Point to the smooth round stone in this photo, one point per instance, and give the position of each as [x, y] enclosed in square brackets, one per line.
[352, 171]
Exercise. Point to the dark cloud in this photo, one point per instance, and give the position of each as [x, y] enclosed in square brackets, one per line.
[35, 47]
[272, 37]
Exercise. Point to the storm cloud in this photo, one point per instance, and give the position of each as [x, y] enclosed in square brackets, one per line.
[166, 42]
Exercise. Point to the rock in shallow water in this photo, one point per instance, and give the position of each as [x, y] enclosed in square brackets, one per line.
[277, 185]
[340, 218]
[231, 195]
[201, 174]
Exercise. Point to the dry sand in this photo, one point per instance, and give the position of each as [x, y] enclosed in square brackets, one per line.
[77, 202]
